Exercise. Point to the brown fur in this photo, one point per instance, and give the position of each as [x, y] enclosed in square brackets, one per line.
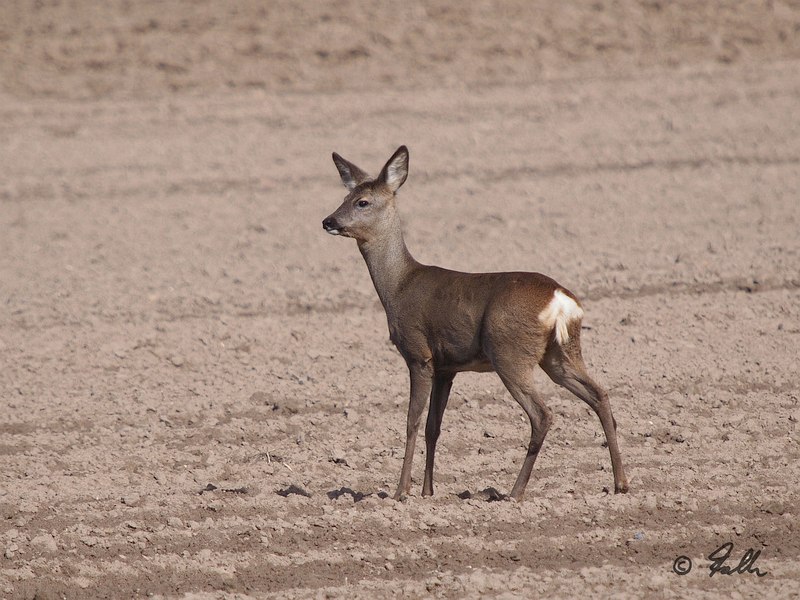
[444, 322]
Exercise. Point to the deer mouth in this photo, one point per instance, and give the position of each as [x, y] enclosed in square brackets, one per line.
[340, 231]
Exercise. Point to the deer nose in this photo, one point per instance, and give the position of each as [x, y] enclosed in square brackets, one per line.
[329, 224]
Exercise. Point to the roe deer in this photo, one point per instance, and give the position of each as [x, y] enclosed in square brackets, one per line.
[444, 322]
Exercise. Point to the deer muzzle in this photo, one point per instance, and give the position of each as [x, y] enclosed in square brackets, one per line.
[331, 226]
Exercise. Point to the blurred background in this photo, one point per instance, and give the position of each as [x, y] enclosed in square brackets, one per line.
[172, 314]
[123, 48]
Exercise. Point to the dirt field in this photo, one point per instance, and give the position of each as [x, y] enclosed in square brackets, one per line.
[198, 397]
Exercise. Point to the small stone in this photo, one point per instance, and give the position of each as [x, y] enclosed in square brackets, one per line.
[177, 360]
[259, 398]
[83, 582]
[9, 553]
[175, 522]
[649, 503]
[205, 555]
[131, 500]
[774, 508]
[339, 459]
[432, 583]
[45, 543]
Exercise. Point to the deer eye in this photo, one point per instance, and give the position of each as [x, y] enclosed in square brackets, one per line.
[362, 203]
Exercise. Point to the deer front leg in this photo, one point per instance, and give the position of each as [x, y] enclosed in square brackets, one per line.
[421, 383]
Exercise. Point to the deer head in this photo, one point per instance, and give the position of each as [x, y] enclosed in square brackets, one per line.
[368, 210]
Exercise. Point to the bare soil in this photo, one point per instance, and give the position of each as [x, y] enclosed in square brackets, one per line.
[198, 397]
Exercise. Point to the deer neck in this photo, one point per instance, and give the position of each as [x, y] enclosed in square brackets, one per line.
[388, 261]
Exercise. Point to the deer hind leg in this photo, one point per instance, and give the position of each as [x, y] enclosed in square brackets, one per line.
[442, 382]
[565, 366]
[519, 382]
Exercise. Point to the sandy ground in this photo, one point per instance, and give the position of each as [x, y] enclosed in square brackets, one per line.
[199, 398]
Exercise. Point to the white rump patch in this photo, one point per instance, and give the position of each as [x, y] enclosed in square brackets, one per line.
[558, 313]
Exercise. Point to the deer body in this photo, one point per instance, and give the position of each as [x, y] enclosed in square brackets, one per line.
[444, 322]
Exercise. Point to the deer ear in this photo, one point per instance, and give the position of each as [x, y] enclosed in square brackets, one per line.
[351, 175]
[395, 171]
